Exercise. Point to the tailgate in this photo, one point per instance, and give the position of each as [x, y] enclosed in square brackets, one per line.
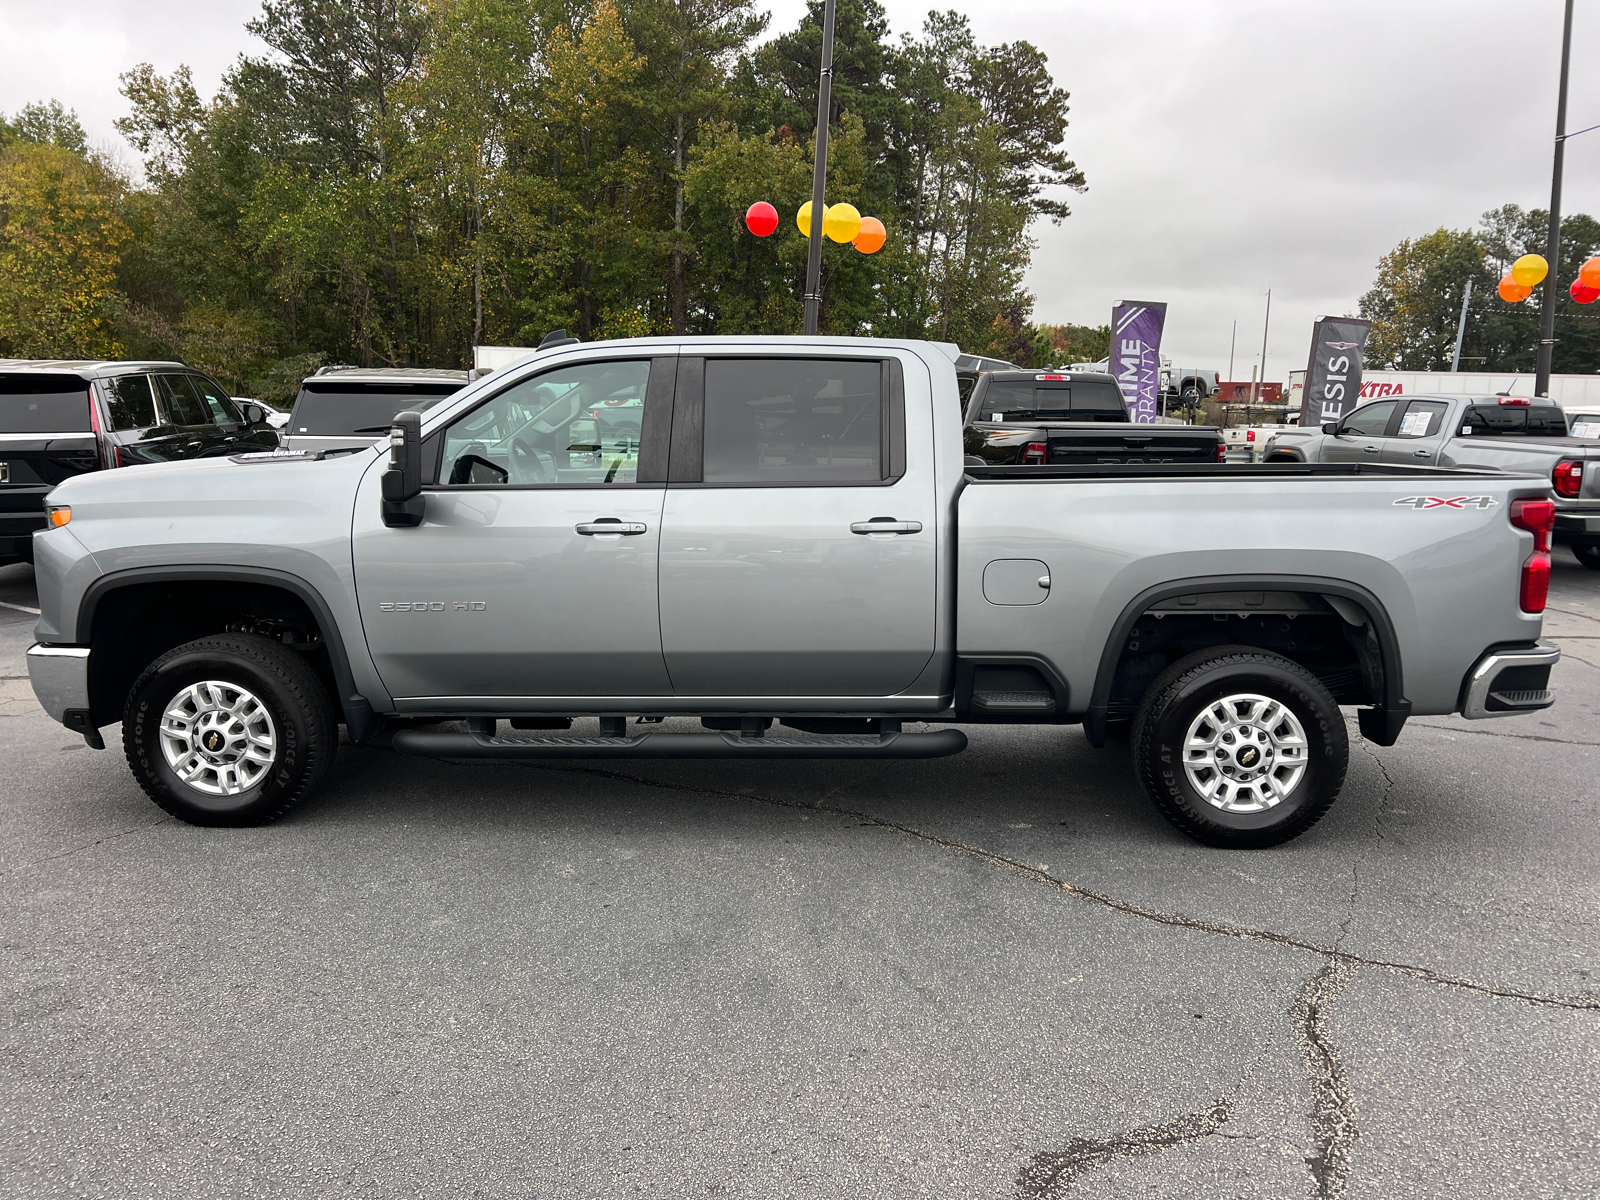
[1089, 445]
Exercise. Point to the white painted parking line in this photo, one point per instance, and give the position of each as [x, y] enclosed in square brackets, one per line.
[20, 608]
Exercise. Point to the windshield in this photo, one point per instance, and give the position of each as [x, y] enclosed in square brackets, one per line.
[1032, 400]
[345, 409]
[44, 404]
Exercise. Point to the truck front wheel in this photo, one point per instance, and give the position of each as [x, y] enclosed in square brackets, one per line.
[1240, 748]
[229, 730]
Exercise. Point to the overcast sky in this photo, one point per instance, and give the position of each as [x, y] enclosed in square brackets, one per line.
[1231, 146]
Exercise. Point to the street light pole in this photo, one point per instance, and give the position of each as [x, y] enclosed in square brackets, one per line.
[1552, 246]
[813, 294]
[1461, 329]
[1266, 323]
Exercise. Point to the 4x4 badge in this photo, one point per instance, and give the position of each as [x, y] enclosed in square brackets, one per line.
[1479, 502]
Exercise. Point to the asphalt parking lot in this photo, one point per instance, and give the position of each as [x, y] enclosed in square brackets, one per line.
[1001, 974]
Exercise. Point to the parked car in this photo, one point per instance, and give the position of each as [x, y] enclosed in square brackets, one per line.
[276, 417]
[1072, 417]
[1186, 384]
[1508, 433]
[63, 418]
[349, 408]
[817, 559]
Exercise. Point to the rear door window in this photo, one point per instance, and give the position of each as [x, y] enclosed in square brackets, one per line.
[132, 404]
[1422, 418]
[181, 402]
[333, 409]
[44, 404]
[797, 420]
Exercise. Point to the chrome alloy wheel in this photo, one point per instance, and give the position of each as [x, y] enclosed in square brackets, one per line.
[1245, 753]
[218, 738]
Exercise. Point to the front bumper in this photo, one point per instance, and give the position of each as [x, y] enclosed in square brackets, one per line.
[1507, 682]
[60, 678]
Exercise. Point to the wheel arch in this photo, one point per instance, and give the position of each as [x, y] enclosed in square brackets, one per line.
[139, 585]
[1380, 724]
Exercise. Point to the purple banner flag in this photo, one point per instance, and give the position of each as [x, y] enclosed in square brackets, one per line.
[1135, 356]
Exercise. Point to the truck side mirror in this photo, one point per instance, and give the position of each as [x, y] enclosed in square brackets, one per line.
[1330, 427]
[403, 501]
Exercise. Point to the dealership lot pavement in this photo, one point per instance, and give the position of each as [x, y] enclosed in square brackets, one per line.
[1000, 974]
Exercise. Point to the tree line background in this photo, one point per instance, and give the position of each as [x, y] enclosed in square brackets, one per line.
[1415, 305]
[395, 181]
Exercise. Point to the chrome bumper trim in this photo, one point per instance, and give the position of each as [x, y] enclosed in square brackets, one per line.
[60, 677]
[1480, 683]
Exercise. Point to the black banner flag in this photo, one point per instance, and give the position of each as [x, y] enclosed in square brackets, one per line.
[1333, 378]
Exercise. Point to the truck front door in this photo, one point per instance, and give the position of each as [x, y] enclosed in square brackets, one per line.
[798, 549]
[1361, 434]
[533, 573]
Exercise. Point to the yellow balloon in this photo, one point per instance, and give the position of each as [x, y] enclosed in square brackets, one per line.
[841, 222]
[803, 219]
[1530, 270]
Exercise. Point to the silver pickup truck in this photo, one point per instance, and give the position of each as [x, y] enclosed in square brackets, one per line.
[793, 539]
[1505, 433]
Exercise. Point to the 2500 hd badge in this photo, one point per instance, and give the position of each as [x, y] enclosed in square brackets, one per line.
[431, 606]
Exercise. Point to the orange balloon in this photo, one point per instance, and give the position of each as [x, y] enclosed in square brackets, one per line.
[1590, 273]
[1514, 292]
[872, 236]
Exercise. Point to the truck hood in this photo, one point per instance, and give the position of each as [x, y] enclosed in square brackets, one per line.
[191, 483]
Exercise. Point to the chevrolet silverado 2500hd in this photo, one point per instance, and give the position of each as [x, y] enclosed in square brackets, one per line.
[793, 538]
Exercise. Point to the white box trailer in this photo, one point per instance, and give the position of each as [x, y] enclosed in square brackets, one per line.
[1569, 391]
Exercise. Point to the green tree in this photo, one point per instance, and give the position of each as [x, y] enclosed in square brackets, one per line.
[46, 124]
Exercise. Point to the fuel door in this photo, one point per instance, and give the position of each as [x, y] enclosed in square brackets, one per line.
[1016, 581]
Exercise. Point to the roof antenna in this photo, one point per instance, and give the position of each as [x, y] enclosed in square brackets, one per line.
[557, 337]
[1507, 392]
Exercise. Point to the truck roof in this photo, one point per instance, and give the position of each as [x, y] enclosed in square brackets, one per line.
[388, 374]
[93, 367]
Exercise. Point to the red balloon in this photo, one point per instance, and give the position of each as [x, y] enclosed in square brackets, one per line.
[761, 218]
[1582, 293]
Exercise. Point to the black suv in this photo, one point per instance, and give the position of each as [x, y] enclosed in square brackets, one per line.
[60, 418]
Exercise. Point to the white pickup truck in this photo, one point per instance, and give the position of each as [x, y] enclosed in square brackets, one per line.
[793, 539]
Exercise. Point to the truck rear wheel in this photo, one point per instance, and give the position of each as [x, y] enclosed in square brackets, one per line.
[229, 730]
[1240, 748]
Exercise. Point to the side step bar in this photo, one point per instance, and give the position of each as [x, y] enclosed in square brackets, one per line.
[428, 743]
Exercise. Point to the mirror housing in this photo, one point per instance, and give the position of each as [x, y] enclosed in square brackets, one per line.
[1330, 427]
[253, 414]
[403, 501]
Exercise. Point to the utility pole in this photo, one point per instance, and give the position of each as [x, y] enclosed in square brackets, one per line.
[1266, 323]
[1461, 329]
[1552, 246]
[1232, 342]
[813, 295]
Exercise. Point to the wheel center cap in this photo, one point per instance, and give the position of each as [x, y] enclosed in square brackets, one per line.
[1249, 756]
[213, 741]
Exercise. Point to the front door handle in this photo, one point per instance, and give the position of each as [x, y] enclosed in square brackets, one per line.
[1370, 449]
[885, 525]
[610, 527]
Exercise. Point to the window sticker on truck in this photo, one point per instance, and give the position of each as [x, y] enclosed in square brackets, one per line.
[1479, 502]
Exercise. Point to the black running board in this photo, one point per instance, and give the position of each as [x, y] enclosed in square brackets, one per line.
[429, 743]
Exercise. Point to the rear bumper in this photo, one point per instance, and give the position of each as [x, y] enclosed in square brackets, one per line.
[1571, 527]
[1507, 682]
[60, 678]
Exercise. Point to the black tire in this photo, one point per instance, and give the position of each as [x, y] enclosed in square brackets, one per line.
[1589, 555]
[1176, 701]
[303, 731]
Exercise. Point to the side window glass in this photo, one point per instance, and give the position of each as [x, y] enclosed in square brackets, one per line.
[131, 403]
[218, 403]
[181, 402]
[575, 426]
[796, 420]
[1422, 419]
[1370, 421]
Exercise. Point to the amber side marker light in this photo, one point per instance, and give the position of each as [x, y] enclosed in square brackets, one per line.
[60, 514]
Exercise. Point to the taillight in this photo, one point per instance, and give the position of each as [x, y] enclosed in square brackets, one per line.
[1222, 450]
[1538, 517]
[1249, 435]
[1034, 453]
[1567, 477]
[102, 443]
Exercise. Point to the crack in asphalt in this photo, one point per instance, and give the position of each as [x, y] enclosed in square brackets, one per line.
[1333, 1115]
[1583, 1001]
[1521, 737]
[110, 837]
[1355, 866]
[1049, 1175]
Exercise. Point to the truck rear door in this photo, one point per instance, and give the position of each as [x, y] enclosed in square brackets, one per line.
[799, 536]
[1419, 434]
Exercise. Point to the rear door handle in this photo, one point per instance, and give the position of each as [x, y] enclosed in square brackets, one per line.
[1423, 453]
[885, 525]
[611, 526]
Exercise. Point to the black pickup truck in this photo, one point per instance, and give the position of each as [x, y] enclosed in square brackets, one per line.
[1071, 418]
